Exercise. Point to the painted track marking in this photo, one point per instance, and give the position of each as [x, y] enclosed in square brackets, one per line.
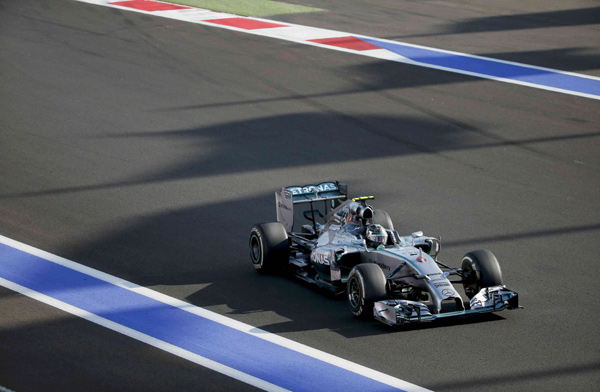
[477, 66]
[238, 350]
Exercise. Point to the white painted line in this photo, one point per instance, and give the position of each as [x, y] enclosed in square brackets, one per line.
[203, 313]
[303, 33]
[205, 362]
[486, 68]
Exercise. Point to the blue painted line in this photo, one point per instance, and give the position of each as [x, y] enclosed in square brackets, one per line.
[493, 68]
[477, 66]
[249, 354]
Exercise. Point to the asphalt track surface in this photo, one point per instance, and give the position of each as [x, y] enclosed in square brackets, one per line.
[146, 148]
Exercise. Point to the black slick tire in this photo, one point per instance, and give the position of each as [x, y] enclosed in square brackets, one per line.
[366, 285]
[481, 269]
[269, 247]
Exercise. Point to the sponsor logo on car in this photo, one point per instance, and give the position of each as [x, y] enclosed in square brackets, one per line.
[448, 292]
[438, 275]
[320, 258]
[283, 206]
[383, 266]
[311, 189]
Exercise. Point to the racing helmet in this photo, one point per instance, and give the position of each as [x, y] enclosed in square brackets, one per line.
[376, 236]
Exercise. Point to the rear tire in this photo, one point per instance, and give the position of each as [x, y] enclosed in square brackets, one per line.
[269, 247]
[380, 217]
[481, 270]
[366, 285]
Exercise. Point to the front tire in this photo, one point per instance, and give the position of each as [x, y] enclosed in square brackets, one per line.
[366, 285]
[481, 269]
[269, 247]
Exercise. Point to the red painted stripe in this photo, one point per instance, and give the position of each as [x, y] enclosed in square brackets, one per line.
[149, 5]
[245, 23]
[346, 42]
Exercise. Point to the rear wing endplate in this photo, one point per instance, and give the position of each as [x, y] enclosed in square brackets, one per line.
[288, 196]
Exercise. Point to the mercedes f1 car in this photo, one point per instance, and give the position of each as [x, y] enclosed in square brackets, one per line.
[353, 248]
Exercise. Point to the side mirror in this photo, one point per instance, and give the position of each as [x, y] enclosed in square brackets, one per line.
[435, 245]
[417, 234]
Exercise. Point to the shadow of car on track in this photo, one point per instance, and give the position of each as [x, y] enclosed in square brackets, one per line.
[317, 309]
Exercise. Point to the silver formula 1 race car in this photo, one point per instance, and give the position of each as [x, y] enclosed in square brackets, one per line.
[352, 248]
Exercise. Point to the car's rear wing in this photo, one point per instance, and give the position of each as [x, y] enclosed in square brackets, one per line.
[323, 192]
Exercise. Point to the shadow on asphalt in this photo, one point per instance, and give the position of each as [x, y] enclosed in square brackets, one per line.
[298, 140]
[507, 380]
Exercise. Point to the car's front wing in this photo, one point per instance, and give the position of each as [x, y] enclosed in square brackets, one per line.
[490, 299]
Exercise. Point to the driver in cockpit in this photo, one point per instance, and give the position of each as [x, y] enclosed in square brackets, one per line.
[376, 236]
